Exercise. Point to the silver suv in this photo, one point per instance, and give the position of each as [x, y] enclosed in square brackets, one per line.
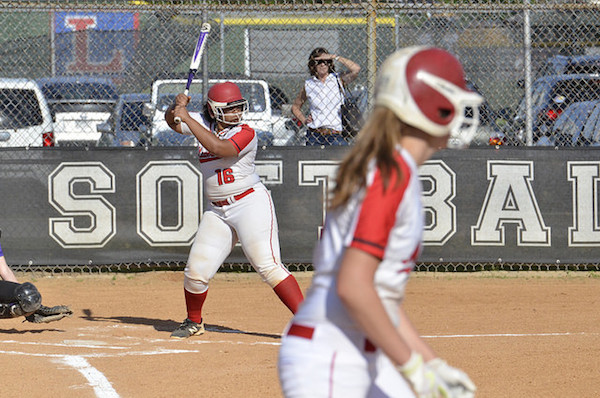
[25, 118]
[272, 128]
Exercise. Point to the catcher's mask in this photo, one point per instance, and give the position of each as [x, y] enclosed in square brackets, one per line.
[425, 87]
[223, 98]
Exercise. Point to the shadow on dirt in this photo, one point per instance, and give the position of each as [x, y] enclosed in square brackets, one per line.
[33, 331]
[162, 325]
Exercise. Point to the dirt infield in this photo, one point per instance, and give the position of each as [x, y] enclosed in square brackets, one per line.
[517, 335]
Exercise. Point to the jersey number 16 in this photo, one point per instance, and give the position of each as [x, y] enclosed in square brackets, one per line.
[225, 176]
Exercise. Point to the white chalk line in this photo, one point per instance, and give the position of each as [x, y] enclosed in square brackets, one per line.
[104, 389]
[66, 344]
[161, 351]
[96, 379]
[454, 336]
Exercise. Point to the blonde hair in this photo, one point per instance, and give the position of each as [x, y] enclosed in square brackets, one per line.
[377, 140]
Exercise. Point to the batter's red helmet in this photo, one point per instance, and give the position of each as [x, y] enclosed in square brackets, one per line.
[224, 96]
[425, 87]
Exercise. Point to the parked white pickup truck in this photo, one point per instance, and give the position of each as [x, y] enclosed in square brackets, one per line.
[272, 128]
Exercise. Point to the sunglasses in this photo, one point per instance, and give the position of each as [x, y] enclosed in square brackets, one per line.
[321, 61]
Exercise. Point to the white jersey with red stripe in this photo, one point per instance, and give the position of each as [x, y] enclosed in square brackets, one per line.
[387, 224]
[249, 219]
[228, 176]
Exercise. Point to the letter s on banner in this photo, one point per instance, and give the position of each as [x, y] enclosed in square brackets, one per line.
[88, 219]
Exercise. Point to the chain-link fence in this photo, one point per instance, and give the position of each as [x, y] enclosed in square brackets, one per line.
[299, 267]
[106, 69]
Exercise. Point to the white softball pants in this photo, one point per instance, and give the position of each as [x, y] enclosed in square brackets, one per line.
[328, 365]
[252, 220]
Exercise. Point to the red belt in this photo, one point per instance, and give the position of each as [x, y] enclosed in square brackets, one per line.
[237, 197]
[307, 333]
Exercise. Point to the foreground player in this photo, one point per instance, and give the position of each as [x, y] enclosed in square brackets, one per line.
[241, 206]
[352, 329]
[23, 299]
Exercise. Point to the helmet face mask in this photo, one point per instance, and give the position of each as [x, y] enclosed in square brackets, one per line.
[425, 88]
[229, 113]
[226, 103]
[466, 105]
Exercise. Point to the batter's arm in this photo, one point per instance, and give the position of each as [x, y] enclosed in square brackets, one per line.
[212, 143]
[357, 292]
[170, 119]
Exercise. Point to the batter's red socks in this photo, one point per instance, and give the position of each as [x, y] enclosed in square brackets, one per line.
[289, 293]
[194, 303]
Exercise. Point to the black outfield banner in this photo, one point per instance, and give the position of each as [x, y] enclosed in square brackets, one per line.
[111, 206]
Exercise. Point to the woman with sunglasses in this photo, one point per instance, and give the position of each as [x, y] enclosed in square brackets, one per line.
[324, 95]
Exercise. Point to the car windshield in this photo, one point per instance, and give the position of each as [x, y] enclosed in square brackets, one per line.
[74, 92]
[165, 100]
[254, 93]
[573, 118]
[19, 108]
[575, 90]
[591, 132]
[584, 67]
[564, 92]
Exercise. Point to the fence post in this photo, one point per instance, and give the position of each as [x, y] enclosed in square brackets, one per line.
[527, 65]
[371, 49]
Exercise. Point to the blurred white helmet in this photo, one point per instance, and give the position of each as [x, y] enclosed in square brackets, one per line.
[425, 87]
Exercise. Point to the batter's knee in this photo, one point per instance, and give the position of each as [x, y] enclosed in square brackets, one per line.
[273, 274]
[195, 286]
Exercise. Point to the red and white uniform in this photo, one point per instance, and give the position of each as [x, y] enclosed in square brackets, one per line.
[241, 209]
[322, 341]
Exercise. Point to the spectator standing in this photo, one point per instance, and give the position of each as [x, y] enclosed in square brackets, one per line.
[323, 91]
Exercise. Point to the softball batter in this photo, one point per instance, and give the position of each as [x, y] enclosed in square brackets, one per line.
[351, 336]
[241, 208]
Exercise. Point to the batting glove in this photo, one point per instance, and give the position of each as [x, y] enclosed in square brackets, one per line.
[423, 380]
[459, 384]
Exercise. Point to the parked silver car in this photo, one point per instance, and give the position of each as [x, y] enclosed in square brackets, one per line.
[25, 118]
[78, 104]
